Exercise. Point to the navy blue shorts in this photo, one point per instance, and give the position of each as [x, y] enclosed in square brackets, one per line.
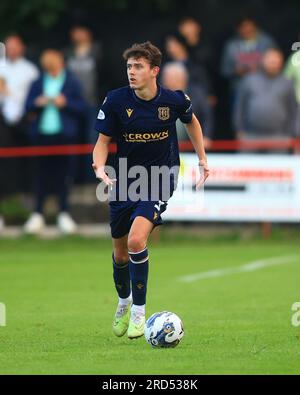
[122, 214]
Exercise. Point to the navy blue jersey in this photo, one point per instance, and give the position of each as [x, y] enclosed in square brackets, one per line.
[144, 130]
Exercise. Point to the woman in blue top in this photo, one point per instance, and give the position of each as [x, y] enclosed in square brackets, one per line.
[55, 106]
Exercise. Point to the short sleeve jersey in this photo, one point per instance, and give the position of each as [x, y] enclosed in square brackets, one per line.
[144, 130]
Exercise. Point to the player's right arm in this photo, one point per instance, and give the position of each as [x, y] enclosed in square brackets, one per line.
[100, 155]
[106, 124]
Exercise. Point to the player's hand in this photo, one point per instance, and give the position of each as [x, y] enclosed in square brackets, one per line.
[101, 175]
[204, 173]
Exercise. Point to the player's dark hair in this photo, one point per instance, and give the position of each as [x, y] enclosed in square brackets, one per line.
[144, 50]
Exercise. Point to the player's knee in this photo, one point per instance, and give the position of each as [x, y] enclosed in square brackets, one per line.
[136, 243]
[121, 258]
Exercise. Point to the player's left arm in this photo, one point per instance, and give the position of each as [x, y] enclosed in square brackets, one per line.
[196, 136]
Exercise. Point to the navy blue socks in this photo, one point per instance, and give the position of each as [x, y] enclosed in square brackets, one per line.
[122, 279]
[139, 268]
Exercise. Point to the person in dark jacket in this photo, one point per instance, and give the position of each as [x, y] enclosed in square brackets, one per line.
[84, 58]
[54, 108]
[177, 50]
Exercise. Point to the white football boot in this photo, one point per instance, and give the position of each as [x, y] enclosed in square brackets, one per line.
[136, 327]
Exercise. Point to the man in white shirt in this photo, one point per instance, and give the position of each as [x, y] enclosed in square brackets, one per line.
[17, 74]
[16, 77]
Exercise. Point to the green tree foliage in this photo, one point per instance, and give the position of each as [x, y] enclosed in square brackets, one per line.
[17, 15]
[23, 16]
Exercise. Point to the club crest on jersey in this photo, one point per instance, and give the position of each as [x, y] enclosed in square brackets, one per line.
[164, 113]
[129, 112]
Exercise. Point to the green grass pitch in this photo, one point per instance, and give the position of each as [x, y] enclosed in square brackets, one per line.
[60, 302]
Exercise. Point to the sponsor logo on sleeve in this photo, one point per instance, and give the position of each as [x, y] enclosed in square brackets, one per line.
[101, 115]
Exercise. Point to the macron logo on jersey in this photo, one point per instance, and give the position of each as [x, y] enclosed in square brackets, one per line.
[101, 115]
[129, 112]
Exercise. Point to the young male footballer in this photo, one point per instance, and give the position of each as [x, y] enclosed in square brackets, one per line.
[141, 119]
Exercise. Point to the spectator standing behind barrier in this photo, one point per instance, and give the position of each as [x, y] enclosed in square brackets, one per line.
[16, 76]
[242, 54]
[292, 72]
[175, 77]
[55, 105]
[84, 60]
[191, 30]
[176, 49]
[200, 51]
[266, 105]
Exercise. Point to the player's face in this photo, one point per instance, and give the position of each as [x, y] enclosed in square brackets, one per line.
[140, 73]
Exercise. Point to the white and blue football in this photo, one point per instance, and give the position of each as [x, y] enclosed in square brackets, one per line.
[164, 330]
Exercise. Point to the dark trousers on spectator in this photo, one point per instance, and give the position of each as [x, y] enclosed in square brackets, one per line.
[54, 174]
[88, 136]
[14, 171]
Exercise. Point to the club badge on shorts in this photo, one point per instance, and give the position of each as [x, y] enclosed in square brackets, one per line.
[163, 113]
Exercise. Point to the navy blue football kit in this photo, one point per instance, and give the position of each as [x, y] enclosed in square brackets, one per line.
[145, 134]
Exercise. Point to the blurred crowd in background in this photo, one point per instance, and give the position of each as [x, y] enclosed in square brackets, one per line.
[56, 101]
